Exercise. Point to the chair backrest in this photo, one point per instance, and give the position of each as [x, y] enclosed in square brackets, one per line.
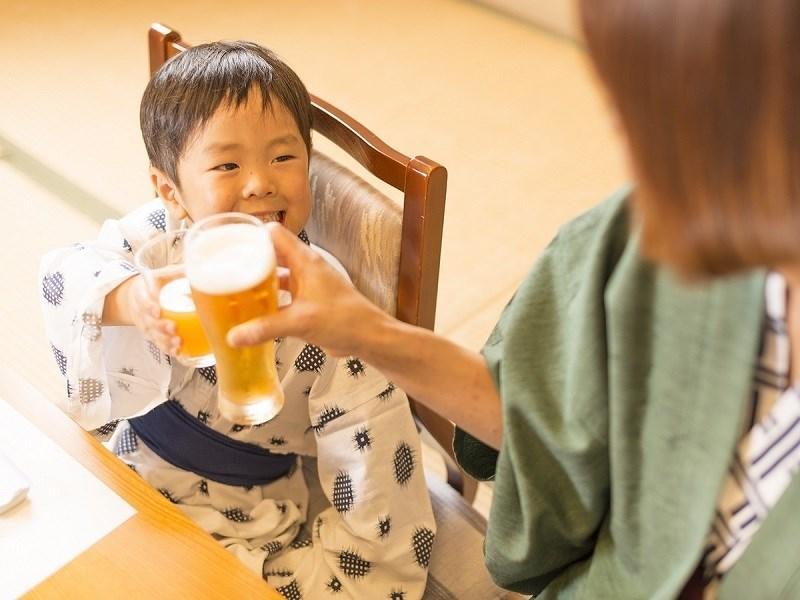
[391, 252]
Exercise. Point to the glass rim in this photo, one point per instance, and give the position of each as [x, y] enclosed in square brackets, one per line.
[153, 241]
[220, 218]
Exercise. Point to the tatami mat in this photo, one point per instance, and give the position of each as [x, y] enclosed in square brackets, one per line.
[509, 109]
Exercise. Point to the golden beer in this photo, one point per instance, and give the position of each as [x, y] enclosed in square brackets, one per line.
[231, 267]
[160, 262]
[175, 299]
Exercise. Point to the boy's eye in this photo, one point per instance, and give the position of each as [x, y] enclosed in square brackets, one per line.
[284, 158]
[226, 167]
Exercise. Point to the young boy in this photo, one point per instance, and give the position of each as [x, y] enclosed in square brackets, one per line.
[328, 498]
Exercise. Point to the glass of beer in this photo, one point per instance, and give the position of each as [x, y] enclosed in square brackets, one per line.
[160, 262]
[231, 267]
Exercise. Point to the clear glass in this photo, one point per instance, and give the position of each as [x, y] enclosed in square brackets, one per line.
[230, 263]
[160, 261]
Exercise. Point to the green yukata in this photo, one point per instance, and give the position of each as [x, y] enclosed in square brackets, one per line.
[624, 394]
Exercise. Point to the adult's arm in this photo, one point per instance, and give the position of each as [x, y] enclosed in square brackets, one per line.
[328, 312]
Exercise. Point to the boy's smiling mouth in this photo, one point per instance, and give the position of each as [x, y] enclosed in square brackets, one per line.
[268, 217]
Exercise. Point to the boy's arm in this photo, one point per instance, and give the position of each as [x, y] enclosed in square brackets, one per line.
[377, 536]
[110, 372]
[117, 305]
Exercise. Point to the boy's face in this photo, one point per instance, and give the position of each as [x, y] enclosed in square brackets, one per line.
[245, 160]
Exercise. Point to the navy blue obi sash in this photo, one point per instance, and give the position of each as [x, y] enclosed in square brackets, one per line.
[180, 439]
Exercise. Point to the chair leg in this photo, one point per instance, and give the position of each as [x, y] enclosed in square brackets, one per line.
[470, 488]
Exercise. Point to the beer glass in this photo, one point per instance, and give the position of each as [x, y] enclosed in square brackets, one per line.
[160, 262]
[231, 267]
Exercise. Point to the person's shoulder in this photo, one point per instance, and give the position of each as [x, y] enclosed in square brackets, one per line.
[594, 240]
[151, 215]
[608, 219]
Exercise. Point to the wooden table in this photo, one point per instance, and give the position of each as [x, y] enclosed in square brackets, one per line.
[157, 553]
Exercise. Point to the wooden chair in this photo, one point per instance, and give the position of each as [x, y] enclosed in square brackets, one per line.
[392, 255]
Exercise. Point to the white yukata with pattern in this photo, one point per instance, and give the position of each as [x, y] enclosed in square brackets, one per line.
[352, 520]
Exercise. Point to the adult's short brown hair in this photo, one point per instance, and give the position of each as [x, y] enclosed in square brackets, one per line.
[706, 92]
[186, 91]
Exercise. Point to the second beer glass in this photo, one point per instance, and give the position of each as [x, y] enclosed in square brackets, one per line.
[231, 266]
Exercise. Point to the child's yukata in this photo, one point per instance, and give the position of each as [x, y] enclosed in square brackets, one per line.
[327, 499]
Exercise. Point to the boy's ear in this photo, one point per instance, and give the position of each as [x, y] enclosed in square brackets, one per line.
[169, 193]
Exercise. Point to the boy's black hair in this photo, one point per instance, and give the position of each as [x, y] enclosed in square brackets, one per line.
[186, 91]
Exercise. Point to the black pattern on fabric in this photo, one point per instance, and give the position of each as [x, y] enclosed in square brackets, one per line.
[126, 245]
[387, 393]
[422, 546]
[354, 366]
[277, 440]
[168, 495]
[158, 219]
[362, 440]
[127, 443]
[310, 360]
[278, 573]
[403, 463]
[89, 390]
[209, 374]
[108, 428]
[343, 494]
[155, 353]
[272, 547]
[69, 389]
[204, 487]
[203, 416]
[328, 414]
[384, 526]
[61, 360]
[353, 565]
[281, 506]
[304, 237]
[396, 594]
[291, 591]
[334, 585]
[318, 526]
[126, 266]
[236, 514]
[91, 328]
[300, 544]
[53, 288]
[238, 428]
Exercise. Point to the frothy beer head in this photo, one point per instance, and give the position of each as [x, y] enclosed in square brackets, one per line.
[229, 258]
[176, 296]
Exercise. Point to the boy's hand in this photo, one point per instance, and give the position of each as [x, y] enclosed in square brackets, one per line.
[145, 314]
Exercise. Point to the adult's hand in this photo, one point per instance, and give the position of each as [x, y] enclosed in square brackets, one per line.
[326, 310]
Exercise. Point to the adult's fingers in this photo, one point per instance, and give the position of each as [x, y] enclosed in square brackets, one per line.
[289, 250]
[288, 321]
[253, 332]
